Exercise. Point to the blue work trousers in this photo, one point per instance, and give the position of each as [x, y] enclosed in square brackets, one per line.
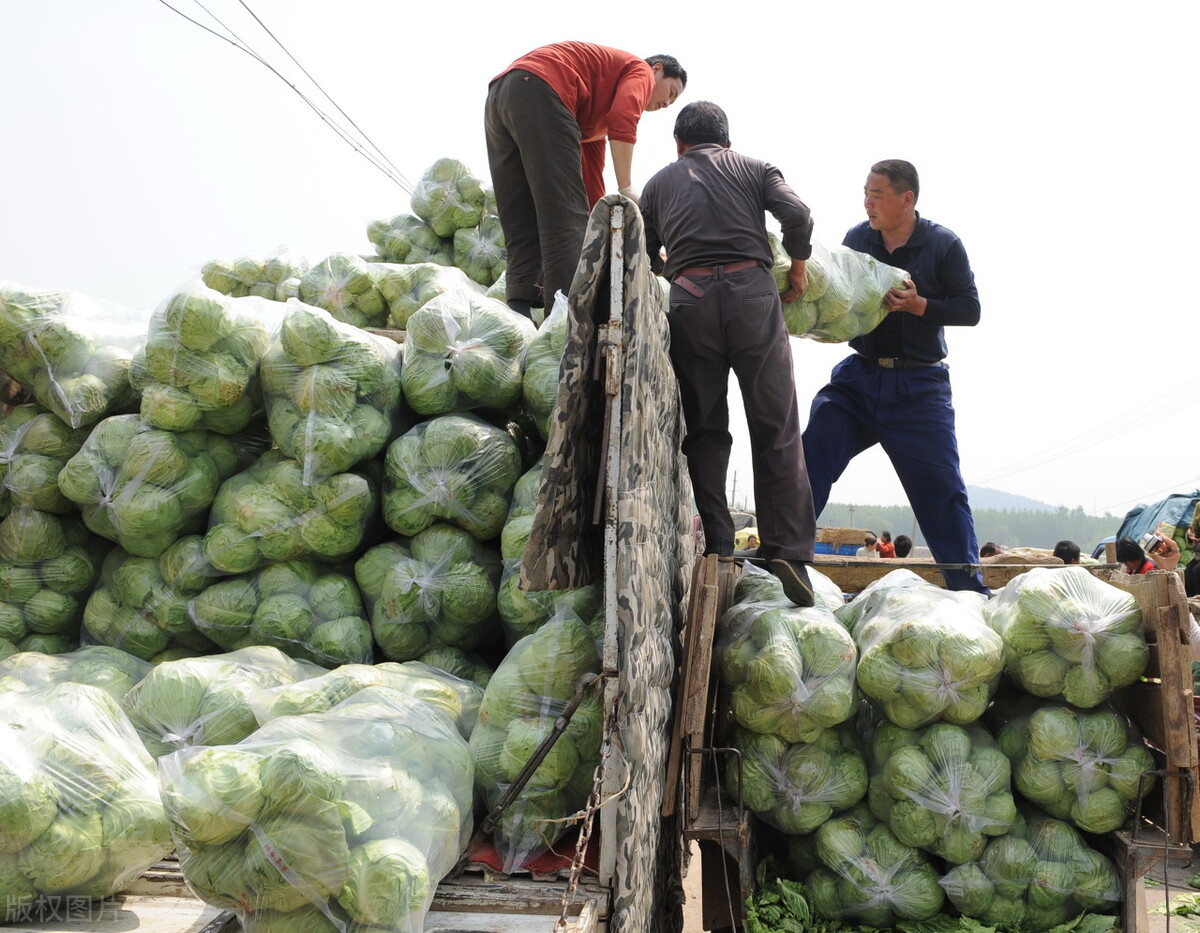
[909, 412]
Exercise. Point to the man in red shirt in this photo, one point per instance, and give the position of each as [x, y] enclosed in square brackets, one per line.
[547, 118]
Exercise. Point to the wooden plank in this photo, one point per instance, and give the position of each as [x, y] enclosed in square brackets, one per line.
[853, 575]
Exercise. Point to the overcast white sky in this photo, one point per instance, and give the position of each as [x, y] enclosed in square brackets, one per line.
[1055, 138]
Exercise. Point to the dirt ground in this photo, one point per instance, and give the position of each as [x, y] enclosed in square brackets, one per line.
[1161, 887]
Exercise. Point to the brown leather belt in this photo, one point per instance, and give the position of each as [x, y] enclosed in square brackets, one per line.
[684, 277]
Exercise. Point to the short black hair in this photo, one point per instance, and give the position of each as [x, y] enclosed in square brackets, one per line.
[1128, 549]
[901, 175]
[990, 549]
[1067, 552]
[903, 545]
[671, 67]
[702, 121]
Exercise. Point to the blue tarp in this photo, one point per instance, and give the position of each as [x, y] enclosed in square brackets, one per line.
[1176, 510]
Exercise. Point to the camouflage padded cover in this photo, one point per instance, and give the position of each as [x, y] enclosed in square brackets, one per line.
[653, 560]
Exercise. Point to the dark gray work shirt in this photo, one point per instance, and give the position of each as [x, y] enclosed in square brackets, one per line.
[936, 261]
[707, 208]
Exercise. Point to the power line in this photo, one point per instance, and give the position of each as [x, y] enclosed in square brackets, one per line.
[380, 162]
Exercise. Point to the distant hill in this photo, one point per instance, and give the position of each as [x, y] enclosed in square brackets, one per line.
[983, 498]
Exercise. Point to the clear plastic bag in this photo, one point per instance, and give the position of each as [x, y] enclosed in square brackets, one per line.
[344, 820]
[332, 391]
[925, 654]
[275, 276]
[34, 446]
[146, 488]
[1068, 634]
[539, 385]
[796, 787]
[344, 285]
[199, 366]
[1085, 766]
[407, 287]
[1038, 876]
[462, 351]
[108, 669]
[408, 239]
[529, 691]
[479, 251]
[438, 588]
[867, 875]
[790, 670]
[945, 788]
[455, 468]
[449, 198]
[81, 814]
[207, 700]
[306, 610]
[267, 513]
[844, 298]
[71, 351]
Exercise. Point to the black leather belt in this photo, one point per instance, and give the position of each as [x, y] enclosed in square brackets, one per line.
[684, 277]
[894, 362]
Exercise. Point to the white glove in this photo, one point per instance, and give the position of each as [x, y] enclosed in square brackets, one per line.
[629, 192]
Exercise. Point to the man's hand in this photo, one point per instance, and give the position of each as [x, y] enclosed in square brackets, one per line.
[905, 298]
[798, 279]
[629, 192]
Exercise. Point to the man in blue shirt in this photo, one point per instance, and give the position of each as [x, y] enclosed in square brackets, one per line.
[895, 389]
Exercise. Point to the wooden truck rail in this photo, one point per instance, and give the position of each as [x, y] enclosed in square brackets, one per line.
[1160, 705]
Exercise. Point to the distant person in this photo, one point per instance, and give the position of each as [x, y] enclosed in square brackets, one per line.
[546, 119]
[886, 548]
[1191, 573]
[903, 545]
[870, 547]
[751, 548]
[1130, 553]
[1067, 552]
[894, 390]
[989, 549]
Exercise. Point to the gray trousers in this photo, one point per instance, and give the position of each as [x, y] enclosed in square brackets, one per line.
[738, 324]
[536, 164]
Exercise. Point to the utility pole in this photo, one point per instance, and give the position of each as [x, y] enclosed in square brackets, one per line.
[733, 494]
[851, 516]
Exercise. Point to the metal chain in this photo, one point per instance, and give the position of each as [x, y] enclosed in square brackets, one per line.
[585, 830]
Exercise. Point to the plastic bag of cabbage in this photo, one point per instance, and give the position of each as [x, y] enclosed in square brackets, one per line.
[1038, 876]
[71, 351]
[267, 513]
[866, 874]
[539, 381]
[207, 700]
[332, 392]
[791, 670]
[276, 277]
[449, 198]
[146, 488]
[200, 362]
[140, 604]
[525, 611]
[479, 251]
[1085, 766]
[925, 654]
[408, 287]
[944, 788]
[80, 812]
[530, 689]
[438, 588]
[796, 787]
[47, 568]
[1068, 634]
[408, 239]
[465, 665]
[457, 698]
[845, 293]
[464, 350]
[344, 285]
[336, 821]
[455, 468]
[304, 609]
[34, 445]
[107, 669]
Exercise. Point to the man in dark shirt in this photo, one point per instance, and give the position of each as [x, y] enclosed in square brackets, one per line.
[895, 389]
[707, 209]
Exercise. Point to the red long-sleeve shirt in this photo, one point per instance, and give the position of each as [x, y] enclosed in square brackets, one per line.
[606, 89]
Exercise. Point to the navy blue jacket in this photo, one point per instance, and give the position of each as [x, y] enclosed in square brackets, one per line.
[936, 261]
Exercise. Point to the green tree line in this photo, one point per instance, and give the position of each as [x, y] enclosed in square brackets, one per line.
[1006, 527]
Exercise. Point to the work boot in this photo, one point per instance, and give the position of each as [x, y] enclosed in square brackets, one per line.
[793, 574]
[724, 552]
